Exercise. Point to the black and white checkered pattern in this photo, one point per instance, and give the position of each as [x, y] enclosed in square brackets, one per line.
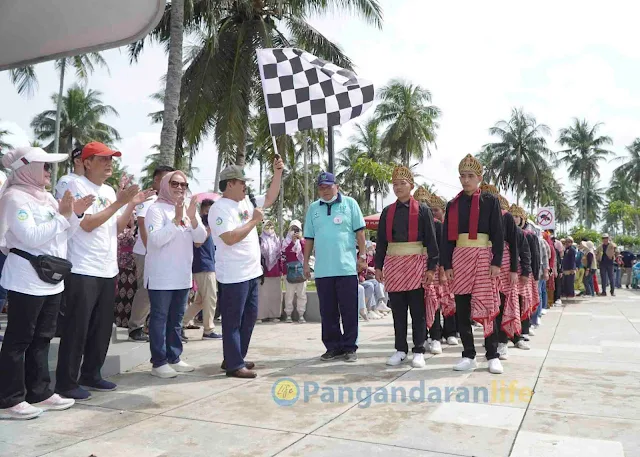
[304, 92]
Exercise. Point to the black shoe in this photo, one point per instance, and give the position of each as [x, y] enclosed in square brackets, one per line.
[603, 294]
[613, 294]
[183, 337]
[331, 355]
[627, 286]
[139, 336]
[351, 357]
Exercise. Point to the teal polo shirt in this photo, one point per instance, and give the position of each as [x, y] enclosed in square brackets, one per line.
[333, 227]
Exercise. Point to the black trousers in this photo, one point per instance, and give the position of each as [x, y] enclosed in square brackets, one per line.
[413, 301]
[24, 358]
[607, 278]
[568, 286]
[437, 331]
[463, 318]
[558, 290]
[60, 324]
[87, 329]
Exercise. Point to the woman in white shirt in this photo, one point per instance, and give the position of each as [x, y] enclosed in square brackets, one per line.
[32, 223]
[171, 232]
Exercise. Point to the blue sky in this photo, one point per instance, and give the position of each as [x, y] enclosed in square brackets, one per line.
[557, 60]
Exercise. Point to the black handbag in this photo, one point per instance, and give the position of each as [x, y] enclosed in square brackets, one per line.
[50, 269]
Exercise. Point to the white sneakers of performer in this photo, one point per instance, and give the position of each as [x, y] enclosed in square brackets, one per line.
[466, 364]
[503, 351]
[435, 347]
[21, 411]
[531, 332]
[543, 311]
[182, 367]
[522, 344]
[164, 372]
[418, 361]
[363, 314]
[452, 341]
[397, 358]
[525, 336]
[55, 403]
[558, 302]
[495, 366]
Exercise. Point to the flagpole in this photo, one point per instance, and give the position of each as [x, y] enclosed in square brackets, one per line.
[281, 199]
[330, 148]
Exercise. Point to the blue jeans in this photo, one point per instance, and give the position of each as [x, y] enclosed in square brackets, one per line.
[165, 325]
[606, 276]
[617, 271]
[542, 289]
[588, 282]
[238, 305]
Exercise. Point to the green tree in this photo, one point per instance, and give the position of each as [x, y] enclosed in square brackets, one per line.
[518, 160]
[81, 121]
[410, 120]
[592, 197]
[583, 154]
[4, 145]
[629, 172]
[349, 175]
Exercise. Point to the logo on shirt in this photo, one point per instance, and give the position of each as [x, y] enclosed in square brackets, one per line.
[151, 228]
[22, 215]
[51, 215]
[219, 221]
[244, 216]
[140, 206]
[102, 202]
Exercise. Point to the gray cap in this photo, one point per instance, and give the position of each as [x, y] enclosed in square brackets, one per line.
[233, 172]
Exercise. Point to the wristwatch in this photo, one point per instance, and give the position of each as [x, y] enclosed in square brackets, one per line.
[362, 257]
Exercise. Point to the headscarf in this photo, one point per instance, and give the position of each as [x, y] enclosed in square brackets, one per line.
[270, 246]
[164, 194]
[297, 246]
[28, 178]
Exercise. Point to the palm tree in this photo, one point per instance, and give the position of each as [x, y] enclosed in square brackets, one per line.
[592, 197]
[583, 154]
[518, 159]
[3, 144]
[349, 176]
[410, 119]
[26, 81]
[81, 120]
[221, 82]
[630, 170]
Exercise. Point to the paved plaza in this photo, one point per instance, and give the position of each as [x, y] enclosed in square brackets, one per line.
[583, 370]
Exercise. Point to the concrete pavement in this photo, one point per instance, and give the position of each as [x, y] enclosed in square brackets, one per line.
[575, 393]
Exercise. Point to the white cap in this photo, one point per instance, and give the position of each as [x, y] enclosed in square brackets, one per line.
[295, 223]
[30, 154]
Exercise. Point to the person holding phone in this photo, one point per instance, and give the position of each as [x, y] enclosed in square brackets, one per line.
[296, 283]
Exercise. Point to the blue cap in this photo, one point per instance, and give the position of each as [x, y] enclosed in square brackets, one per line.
[325, 179]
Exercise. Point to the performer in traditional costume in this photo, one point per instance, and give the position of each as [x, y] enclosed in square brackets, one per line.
[529, 292]
[406, 260]
[472, 257]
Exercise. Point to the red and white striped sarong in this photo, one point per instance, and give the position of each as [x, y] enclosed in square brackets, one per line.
[404, 272]
[471, 267]
[431, 294]
[511, 324]
[447, 299]
[535, 295]
[527, 298]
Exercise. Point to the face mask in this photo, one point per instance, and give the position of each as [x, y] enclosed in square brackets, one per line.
[335, 197]
[205, 220]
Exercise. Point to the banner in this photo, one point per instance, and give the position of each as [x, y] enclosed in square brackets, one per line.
[546, 218]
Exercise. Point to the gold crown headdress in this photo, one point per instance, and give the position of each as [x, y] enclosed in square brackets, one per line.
[504, 203]
[402, 173]
[422, 194]
[515, 210]
[489, 188]
[470, 163]
[437, 202]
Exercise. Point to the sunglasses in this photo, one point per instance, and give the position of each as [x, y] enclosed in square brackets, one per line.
[175, 184]
[47, 167]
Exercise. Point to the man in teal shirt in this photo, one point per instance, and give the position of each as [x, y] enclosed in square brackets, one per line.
[333, 225]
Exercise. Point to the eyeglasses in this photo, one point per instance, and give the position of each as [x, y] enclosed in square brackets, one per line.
[176, 184]
[47, 167]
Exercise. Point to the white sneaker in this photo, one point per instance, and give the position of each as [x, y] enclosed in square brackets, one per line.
[466, 364]
[503, 351]
[435, 347]
[164, 372]
[452, 341]
[532, 332]
[558, 302]
[363, 314]
[55, 403]
[21, 411]
[382, 306]
[371, 316]
[522, 344]
[182, 367]
[397, 358]
[418, 361]
[495, 366]
[543, 311]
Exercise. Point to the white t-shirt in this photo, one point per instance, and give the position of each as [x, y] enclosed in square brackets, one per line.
[141, 211]
[95, 253]
[240, 262]
[167, 265]
[63, 184]
[39, 230]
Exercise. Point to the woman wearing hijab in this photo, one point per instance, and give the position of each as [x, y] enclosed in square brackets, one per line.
[295, 285]
[270, 293]
[172, 230]
[32, 223]
[590, 267]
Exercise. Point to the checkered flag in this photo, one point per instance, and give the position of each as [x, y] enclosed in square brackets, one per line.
[304, 92]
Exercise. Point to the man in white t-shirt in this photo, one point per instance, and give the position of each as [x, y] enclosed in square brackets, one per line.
[140, 306]
[91, 287]
[233, 221]
[78, 170]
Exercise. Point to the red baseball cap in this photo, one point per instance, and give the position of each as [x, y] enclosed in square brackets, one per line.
[98, 149]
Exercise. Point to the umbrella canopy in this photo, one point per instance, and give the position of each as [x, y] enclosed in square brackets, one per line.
[372, 221]
[207, 196]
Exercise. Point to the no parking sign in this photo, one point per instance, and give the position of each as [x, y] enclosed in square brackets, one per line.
[546, 218]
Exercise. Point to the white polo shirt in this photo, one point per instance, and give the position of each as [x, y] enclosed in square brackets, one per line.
[240, 262]
[39, 230]
[167, 265]
[63, 184]
[95, 253]
[141, 211]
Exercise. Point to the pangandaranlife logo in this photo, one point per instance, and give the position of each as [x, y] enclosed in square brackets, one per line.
[22, 215]
[287, 392]
[219, 221]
